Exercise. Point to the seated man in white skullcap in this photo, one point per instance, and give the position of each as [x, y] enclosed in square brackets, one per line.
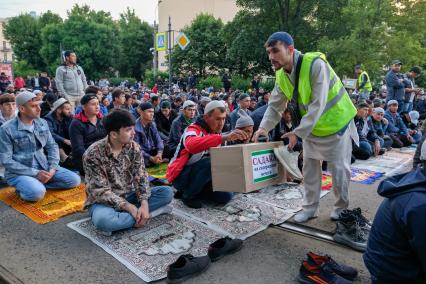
[190, 169]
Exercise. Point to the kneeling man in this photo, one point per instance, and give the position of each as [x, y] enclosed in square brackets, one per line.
[190, 168]
[118, 192]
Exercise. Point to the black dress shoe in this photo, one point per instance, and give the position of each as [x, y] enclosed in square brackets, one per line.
[192, 203]
[224, 246]
[178, 194]
[185, 267]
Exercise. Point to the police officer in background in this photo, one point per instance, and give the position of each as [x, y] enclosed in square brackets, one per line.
[363, 84]
[70, 79]
[309, 87]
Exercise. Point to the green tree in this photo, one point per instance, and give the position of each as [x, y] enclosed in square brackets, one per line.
[24, 34]
[136, 38]
[92, 35]
[206, 52]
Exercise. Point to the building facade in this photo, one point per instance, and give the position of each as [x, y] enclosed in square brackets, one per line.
[6, 52]
[182, 12]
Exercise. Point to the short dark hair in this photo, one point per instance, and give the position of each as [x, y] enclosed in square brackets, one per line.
[362, 105]
[117, 119]
[116, 93]
[128, 96]
[154, 98]
[416, 69]
[92, 90]
[67, 53]
[7, 98]
[104, 97]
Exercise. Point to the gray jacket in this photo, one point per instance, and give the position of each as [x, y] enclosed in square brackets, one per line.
[70, 81]
[395, 88]
[20, 148]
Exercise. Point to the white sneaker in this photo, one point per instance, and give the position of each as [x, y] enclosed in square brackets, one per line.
[162, 210]
[304, 215]
[289, 160]
[335, 214]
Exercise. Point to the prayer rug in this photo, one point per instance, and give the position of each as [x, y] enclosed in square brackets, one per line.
[287, 196]
[241, 218]
[364, 176]
[158, 171]
[391, 163]
[55, 204]
[148, 251]
[326, 183]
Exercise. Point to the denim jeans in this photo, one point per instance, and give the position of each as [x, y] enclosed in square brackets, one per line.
[366, 146]
[408, 106]
[195, 181]
[31, 189]
[108, 219]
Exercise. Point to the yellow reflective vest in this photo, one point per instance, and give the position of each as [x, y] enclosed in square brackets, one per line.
[367, 87]
[339, 110]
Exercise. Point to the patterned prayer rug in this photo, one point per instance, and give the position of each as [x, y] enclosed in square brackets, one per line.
[391, 163]
[55, 204]
[149, 250]
[364, 176]
[158, 171]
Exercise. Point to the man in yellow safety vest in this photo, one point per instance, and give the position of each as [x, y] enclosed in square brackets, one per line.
[363, 83]
[308, 86]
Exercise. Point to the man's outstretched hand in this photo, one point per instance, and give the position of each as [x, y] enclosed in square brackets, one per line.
[292, 140]
[260, 132]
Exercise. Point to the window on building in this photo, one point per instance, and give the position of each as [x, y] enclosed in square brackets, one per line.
[5, 57]
[4, 44]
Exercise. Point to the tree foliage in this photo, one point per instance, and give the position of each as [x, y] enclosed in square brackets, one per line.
[206, 51]
[24, 34]
[137, 39]
[347, 31]
[103, 46]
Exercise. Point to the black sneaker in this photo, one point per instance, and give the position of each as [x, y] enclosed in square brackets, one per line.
[178, 194]
[345, 271]
[323, 274]
[224, 246]
[364, 222]
[192, 203]
[185, 267]
[350, 232]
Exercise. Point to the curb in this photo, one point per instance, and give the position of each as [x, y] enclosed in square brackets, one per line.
[7, 277]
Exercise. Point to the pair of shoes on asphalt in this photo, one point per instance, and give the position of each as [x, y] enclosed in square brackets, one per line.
[323, 269]
[187, 266]
[352, 229]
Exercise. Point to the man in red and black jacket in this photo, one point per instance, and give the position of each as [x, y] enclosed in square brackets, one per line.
[190, 170]
[86, 128]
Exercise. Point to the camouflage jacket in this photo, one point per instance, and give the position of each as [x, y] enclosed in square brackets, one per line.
[109, 179]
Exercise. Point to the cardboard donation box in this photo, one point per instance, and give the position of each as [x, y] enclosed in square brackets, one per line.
[246, 167]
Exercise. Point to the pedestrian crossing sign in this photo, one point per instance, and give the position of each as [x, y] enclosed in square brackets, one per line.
[161, 41]
[182, 40]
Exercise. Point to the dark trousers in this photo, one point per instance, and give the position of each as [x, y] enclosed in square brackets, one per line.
[399, 140]
[195, 181]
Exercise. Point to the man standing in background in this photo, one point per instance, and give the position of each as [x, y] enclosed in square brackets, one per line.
[363, 83]
[70, 79]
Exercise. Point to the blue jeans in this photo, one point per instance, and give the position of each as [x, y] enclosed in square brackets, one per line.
[31, 189]
[107, 219]
[408, 106]
[366, 146]
[401, 106]
[195, 181]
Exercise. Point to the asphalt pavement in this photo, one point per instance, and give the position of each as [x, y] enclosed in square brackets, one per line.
[53, 253]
